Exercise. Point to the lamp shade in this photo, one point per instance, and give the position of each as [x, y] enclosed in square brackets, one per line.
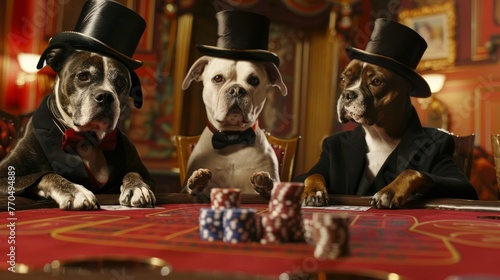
[435, 81]
[28, 62]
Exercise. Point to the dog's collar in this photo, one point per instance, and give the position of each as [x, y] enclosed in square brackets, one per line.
[222, 139]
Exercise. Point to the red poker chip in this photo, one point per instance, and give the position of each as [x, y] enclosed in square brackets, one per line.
[225, 198]
[329, 232]
[283, 223]
[285, 190]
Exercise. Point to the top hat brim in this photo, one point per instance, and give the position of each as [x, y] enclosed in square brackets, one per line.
[241, 54]
[81, 41]
[422, 88]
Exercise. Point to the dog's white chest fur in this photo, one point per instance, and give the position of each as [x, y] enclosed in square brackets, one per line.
[379, 147]
[234, 165]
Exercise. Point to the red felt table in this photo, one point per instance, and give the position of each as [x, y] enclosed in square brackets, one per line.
[413, 243]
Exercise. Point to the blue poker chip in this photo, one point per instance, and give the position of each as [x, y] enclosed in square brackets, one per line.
[239, 225]
[210, 221]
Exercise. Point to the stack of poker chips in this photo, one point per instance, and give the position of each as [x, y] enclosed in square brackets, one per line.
[239, 225]
[329, 233]
[210, 224]
[224, 220]
[283, 223]
[224, 198]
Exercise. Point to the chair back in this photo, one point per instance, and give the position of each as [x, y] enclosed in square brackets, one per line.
[464, 153]
[184, 146]
[285, 150]
[9, 128]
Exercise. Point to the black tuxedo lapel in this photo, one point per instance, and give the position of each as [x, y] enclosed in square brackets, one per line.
[387, 173]
[68, 165]
[354, 153]
[413, 143]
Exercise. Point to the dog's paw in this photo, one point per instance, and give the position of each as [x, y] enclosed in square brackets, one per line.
[391, 196]
[78, 198]
[396, 194]
[135, 193]
[198, 180]
[387, 198]
[68, 196]
[315, 192]
[262, 183]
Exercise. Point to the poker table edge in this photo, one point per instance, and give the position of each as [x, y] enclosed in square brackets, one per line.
[23, 203]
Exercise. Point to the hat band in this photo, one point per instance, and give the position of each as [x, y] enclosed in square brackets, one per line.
[239, 50]
[243, 54]
[409, 59]
[380, 56]
[104, 44]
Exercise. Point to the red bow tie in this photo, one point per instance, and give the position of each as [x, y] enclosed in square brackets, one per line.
[73, 139]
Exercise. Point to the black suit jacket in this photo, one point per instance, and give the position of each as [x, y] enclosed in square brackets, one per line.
[428, 150]
[39, 152]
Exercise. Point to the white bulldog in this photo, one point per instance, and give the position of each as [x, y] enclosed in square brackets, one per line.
[233, 150]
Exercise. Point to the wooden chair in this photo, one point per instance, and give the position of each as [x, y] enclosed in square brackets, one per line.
[464, 152]
[184, 146]
[285, 149]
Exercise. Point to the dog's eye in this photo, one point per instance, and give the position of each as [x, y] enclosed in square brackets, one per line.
[121, 82]
[253, 81]
[376, 82]
[83, 76]
[218, 79]
[342, 81]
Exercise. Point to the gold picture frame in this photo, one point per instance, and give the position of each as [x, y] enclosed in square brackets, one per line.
[436, 24]
[485, 23]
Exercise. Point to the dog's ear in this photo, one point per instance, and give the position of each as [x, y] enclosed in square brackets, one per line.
[55, 57]
[195, 72]
[136, 89]
[275, 79]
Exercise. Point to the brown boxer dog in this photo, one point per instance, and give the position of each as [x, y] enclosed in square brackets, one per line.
[390, 155]
[373, 104]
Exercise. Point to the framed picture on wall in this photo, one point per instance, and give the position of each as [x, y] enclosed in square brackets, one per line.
[485, 21]
[436, 24]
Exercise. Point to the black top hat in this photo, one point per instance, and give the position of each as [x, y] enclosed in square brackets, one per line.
[105, 27]
[109, 28]
[396, 47]
[241, 35]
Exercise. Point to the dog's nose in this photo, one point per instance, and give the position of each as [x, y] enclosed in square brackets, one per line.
[105, 98]
[237, 91]
[349, 95]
